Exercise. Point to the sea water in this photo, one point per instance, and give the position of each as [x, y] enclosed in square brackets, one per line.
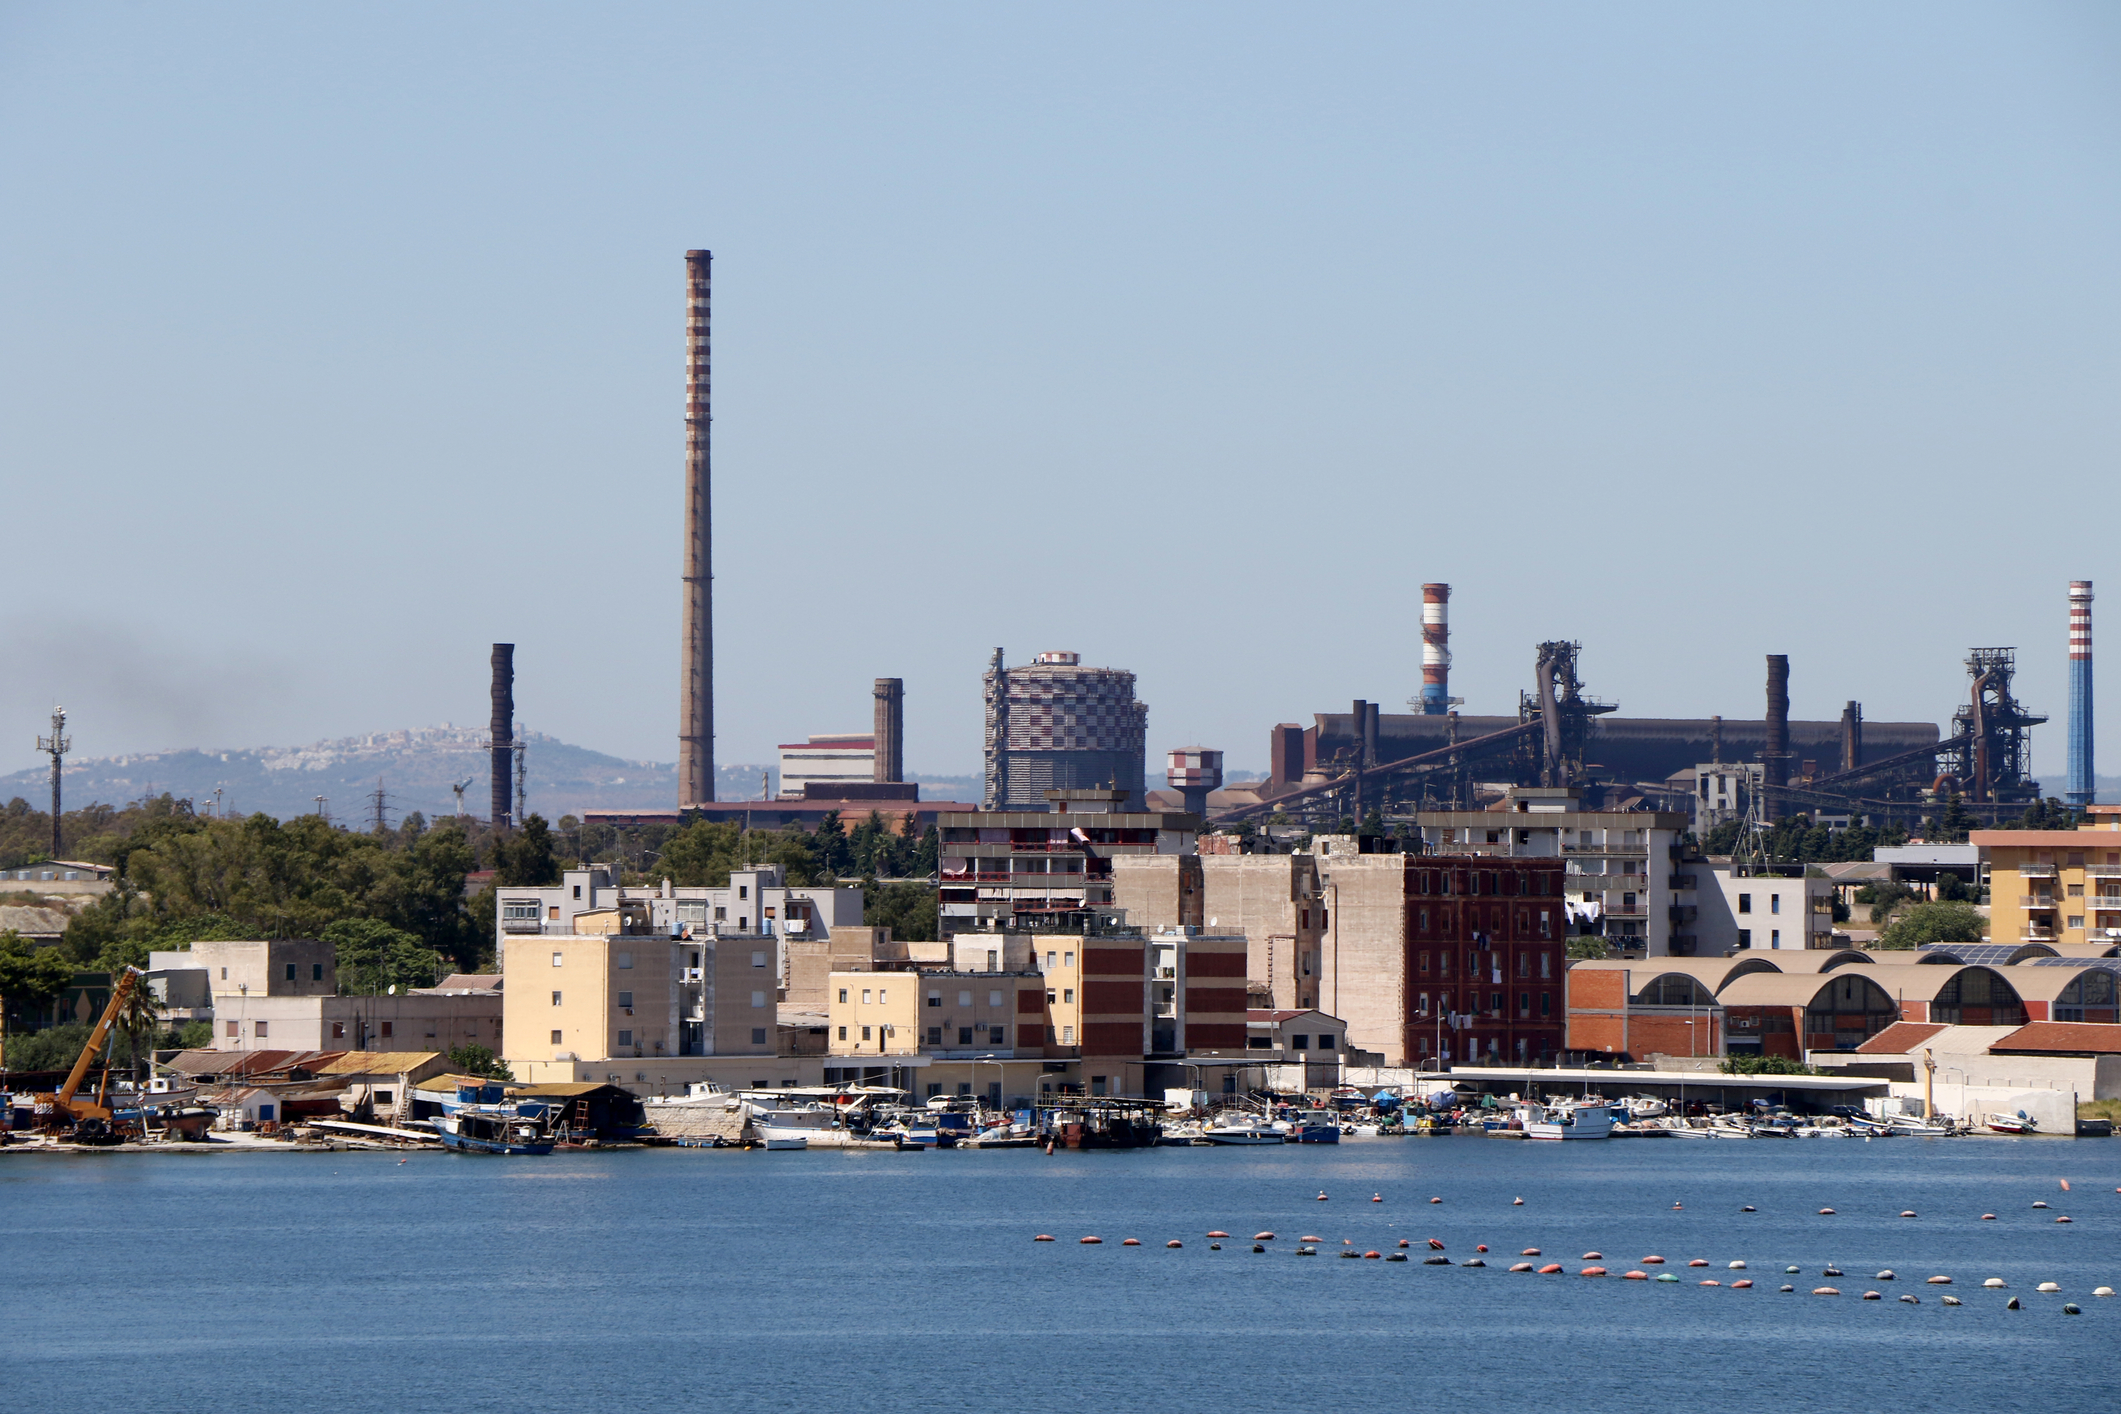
[686, 1279]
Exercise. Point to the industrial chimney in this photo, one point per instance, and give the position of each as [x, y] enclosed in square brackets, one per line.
[1851, 736]
[1435, 649]
[890, 729]
[503, 727]
[1193, 771]
[2081, 777]
[1775, 750]
[696, 672]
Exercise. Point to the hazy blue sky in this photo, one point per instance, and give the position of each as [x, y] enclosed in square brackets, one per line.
[339, 342]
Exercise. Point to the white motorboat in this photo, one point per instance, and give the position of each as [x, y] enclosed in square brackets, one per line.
[783, 1138]
[1918, 1128]
[1567, 1120]
[1646, 1107]
[2019, 1123]
[1243, 1129]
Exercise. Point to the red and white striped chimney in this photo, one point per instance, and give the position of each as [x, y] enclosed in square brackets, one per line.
[1435, 649]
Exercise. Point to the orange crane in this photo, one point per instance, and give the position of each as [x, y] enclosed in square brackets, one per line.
[63, 1101]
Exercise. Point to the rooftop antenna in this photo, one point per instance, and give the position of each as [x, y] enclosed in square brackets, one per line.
[56, 746]
[460, 787]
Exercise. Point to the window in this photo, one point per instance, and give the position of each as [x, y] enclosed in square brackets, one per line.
[385, 1030]
[743, 891]
[1745, 903]
[1524, 964]
[865, 1033]
[1097, 1084]
[964, 1035]
[625, 1038]
[1524, 1004]
[556, 1038]
[758, 1035]
[1325, 1040]
[316, 972]
[1299, 1043]
[626, 960]
[997, 1036]
[558, 959]
[935, 998]
[843, 1033]
[383, 1097]
[260, 1027]
[843, 996]
[338, 1031]
[1067, 1035]
[1774, 937]
[758, 999]
[758, 959]
[767, 913]
[1049, 996]
[742, 923]
[865, 996]
[2076, 891]
[1067, 994]
[1425, 956]
[883, 994]
[1774, 903]
[1745, 937]
[1049, 962]
[626, 1000]
[721, 915]
[994, 999]
[233, 1029]
[1546, 965]
[1067, 959]
[577, 890]
[934, 1089]
[2076, 920]
[1423, 1008]
[555, 998]
[935, 1035]
[1546, 1004]
[290, 972]
[964, 999]
[224, 975]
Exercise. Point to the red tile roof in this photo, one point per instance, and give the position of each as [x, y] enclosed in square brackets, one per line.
[1899, 1038]
[2078, 1036]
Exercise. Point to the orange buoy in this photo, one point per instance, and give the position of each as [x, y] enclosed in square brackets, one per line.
[1218, 1232]
[1593, 1256]
[1678, 1207]
[1307, 1237]
[1091, 1241]
[1940, 1281]
[1262, 1237]
[1519, 1202]
[1737, 1285]
[1697, 1262]
[2062, 1219]
[1403, 1242]
[1520, 1266]
[1435, 1244]
[1826, 1212]
[1131, 1242]
[1907, 1213]
[1872, 1296]
[1988, 1217]
[1653, 1260]
[1592, 1272]
[1321, 1195]
[1043, 1237]
[1634, 1276]
[1550, 1269]
[1529, 1252]
[1174, 1242]
[1372, 1254]
[1712, 1283]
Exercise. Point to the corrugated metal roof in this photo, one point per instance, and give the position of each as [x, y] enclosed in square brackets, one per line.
[2077, 1036]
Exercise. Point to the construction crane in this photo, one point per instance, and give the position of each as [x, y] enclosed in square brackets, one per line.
[90, 1115]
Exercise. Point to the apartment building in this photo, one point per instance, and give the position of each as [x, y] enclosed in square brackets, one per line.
[1021, 869]
[1772, 911]
[1272, 899]
[2055, 886]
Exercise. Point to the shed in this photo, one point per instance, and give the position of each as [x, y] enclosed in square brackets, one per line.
[589, 1111]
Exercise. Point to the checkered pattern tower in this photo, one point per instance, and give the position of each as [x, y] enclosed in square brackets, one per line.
[1056, 725]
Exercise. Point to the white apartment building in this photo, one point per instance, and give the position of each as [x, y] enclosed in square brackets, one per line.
[830, 760]
[1761, 912]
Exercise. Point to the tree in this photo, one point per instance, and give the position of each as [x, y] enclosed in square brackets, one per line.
[702, 854]
[1953, 825]
[373, 957]
[909, 910]
[1587, 949]
[1940, 922]
[138, 1021]
[829, 844]
[525, 858]
[1883, 896]
[30, 977]
[1764, 1065]
[474, 1059]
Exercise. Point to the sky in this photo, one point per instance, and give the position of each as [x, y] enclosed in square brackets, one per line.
[338, 343]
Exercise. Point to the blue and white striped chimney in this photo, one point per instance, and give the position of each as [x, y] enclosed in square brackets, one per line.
[2079, 791]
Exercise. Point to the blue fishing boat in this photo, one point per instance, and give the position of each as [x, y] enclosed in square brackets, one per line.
[498, 1127]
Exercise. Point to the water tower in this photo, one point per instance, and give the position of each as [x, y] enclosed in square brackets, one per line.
[1193, 771]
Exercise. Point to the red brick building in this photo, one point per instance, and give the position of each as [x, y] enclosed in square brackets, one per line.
[1486, 959]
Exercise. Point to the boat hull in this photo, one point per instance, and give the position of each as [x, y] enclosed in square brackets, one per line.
[464, 1144]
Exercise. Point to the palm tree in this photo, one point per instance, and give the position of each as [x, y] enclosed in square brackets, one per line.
[138, 1021]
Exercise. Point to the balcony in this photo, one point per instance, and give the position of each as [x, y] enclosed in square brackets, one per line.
[523, 925]
[2036, 871]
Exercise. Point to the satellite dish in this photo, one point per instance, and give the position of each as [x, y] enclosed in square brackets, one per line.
[392, 990]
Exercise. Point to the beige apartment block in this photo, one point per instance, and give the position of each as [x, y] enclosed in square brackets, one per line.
[2055, 886]
[874, 1013]
[1361, 972]
[1273, 899]
[287, 967]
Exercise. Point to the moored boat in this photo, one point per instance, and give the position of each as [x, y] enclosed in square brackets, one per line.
[1567, 1120]
[518, 1128]
[2019, 1123]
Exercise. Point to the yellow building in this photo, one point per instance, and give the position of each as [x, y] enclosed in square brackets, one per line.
[2055, 886]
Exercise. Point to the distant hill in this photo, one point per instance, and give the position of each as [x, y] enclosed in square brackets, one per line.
[416, 769]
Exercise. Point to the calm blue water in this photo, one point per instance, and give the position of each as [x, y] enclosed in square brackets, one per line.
[686, 1279]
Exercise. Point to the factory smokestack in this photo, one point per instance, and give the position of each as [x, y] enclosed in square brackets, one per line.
[1775, 751]
[890, 729]
[696, 673]
[1435, 649]
[1851, 736]
[2081, 776]
[503, 727]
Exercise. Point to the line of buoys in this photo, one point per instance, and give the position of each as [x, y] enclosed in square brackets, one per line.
[1174, 1242]
[1435, 1244]
[1043, 1237]
[1373, 1253]
[1886, 1275]
[2012, 1305]
[2063, 1219]
[1436, 1200]
[1377, 1197]
[1472, 1262]
[1911, 1299]
[1789, 1288]
[1257, 1248]
[1215, 1247]
[2103, 1290]
[1831, 1271]
[1321, 1195]
[1404, 1243]
[1749, 1208]
[2039, 1204]
[1593, 1256]
[1090, 1241]
[1435, 1261]
[1307, 1251]
[1519, 1202]
[1481, 1248]
[1550, 1269]
[1262, 1237]
[1790, 1271]
[1310, 1237]
[1397, 1257]
[1130, 1242]
[1679, 1207]
[1672, 1277]
[1351, 1252]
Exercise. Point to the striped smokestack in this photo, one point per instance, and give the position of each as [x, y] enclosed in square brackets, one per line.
[2081, 782]
[1435, 649]
[696, 672]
